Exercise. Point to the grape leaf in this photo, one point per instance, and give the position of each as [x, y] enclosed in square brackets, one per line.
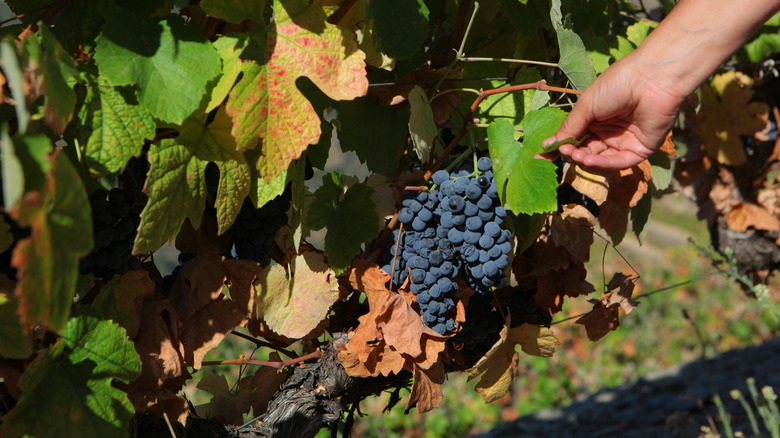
[117, 129]
[170, 66]
[574, 59]
[15, 342]
[6, 237]
[376, 133]
[207, 327]
[176, 182]
[235, 11]
[350, 219]
[72, 380]
[640, 217]
[229, 48]
[526, 184]
[293, 305]
[638, 31]
[47, 262]
[49, 72]
[226, 405]
[266, 102]
[426, 391]
[177, 191]
[421, 125]
[121, 299]
[497, 369]
[399, 27]
[214, 143]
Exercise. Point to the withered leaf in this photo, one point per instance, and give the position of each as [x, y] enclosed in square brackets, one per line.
[498, 367]
[746, 215]
[426, 391]
[293, 305]
[207, 327]
[601, 320]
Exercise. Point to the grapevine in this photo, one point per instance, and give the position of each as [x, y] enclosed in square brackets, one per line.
[173, 176]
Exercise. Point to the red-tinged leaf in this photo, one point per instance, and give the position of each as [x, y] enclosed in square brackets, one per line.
[49, 72]
[47, 261]
[266, 103]
[293, 304]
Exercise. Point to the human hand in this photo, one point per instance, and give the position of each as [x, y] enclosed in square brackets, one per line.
[624, 115]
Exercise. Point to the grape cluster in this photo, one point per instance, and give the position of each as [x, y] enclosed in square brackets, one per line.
[254, 231]
[455, 228]
[115, 219]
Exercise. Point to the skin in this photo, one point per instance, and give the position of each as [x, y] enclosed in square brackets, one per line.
[631, 107]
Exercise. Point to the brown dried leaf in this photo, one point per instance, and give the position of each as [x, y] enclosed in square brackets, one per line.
[226, 406]
[726, 114]
[240, 275]
[121, 300]
[625, 286]
[600, 320]
[158, 345]
[555, 285]
[200, 282]
[668, 146]
[596, 187]
[426, 390]
[207, 327]
[426, 77]
[746, 215]
[573, 230]
[498, 367]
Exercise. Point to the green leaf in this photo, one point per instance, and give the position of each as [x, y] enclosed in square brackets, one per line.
[350, 221]
[12, 70]
[117, 128]
[526, 18]
[47, 262]
[90, 338]
[527, 228]
[72, 380]
[266, 102]
[235, 11]
[54, 75]
[623, 48]
[540, 125]
[640, 216]
[421, 125]
[762, 46]
[12, 171]
[574, 59]
[662, 169]
[526, 184]
[15, 341]
[399, 27]
[376, 133]
[177, 191]
[637, 32]
[598, 50]
[229, 48]
[171, 65]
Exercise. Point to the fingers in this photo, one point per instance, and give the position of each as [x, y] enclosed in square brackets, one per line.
[602, 163]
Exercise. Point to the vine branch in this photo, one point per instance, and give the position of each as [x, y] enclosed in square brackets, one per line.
[242, 360]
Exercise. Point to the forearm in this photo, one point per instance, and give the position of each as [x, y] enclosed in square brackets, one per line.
[696, 37]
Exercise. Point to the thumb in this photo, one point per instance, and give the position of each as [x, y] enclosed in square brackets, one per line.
[575, 125]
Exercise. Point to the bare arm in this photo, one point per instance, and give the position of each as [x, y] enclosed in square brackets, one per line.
[629, 109]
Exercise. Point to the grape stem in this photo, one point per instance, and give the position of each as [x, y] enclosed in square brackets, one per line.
[242, 360]
[483, 94]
